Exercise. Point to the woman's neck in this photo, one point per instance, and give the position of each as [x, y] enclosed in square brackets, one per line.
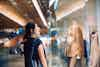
[34, 36]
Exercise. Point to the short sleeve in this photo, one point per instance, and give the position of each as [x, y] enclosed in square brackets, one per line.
[38, 42]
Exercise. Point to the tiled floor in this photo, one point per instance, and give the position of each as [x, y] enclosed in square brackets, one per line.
[18, 61]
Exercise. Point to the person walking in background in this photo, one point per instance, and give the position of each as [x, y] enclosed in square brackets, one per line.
[87, 51]
[95, 50]
[33, 49]
[54, 43]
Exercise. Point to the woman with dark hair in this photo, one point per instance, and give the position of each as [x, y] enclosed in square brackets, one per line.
[33, 49]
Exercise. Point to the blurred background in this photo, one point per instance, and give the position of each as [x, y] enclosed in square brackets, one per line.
[53, 17]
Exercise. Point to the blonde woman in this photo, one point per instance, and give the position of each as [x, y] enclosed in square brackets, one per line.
[75, 40]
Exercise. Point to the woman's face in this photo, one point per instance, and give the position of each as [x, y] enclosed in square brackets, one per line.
[37, 30]
[70, 38]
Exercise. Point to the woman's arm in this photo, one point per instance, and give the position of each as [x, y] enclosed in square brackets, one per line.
[42, 55]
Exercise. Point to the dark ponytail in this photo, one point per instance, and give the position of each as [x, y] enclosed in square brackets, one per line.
[28, 27]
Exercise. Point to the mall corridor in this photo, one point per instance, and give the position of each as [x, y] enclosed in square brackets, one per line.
[52, 33]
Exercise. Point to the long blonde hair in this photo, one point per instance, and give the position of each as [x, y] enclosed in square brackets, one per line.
[75, 32]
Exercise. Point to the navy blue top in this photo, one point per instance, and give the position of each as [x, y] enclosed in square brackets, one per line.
[31, 51]
[32, 42]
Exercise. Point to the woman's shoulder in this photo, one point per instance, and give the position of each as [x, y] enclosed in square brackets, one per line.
[37, 41]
